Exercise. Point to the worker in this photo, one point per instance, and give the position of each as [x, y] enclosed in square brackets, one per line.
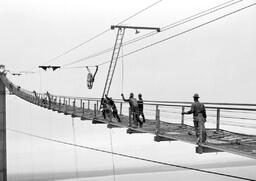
[90, 77]
[199, 118]
[134, 109]
[140, 107]
[49, 98]
[113, 107]
[106, 109]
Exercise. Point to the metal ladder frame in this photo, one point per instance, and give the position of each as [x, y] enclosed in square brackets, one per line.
[116, 51]
[113, 62]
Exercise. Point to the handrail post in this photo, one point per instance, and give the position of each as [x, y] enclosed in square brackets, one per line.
[88, 104]
[39, 99]
[130, 118]
[55, 103]
[182, 116]
[157, 120]
[81, 103]
[97, 105]
[83, 108]
[59, 103]
[121, 107]
[218, 119]
[66, 106]
[95, 111]
[69, 101]
[74, 105]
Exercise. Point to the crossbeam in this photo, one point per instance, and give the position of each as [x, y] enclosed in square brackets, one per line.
[135, 27]
[203, 149]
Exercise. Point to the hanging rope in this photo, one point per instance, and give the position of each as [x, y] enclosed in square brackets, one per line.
[31, 143]
[51, 147]
[122, 69]
[113, 161]
[75, 150]
[40, 81]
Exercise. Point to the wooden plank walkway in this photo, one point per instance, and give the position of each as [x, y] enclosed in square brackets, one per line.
[221, 140]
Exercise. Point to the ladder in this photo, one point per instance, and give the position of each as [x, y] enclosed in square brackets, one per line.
[114, 59]
[115, 54]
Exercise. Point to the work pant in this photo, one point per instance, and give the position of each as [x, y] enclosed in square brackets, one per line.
[200, 128]
[141, 114]
[135, 117]
[115, 115]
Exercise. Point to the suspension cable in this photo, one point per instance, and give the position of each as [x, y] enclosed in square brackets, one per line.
[165, 28]
[130, 156]
[183, 32]
[100, 34]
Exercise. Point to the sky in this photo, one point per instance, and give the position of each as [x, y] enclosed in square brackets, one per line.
[216, 61]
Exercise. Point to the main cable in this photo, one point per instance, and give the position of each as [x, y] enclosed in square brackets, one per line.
[100, 34]
[183, 32]
[165, 28]
[130, 156]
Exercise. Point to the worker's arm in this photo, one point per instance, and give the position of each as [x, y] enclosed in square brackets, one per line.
[204, 112]
[126, 100]
[107, 97]
[190, 111]
[88, 69]
[97, 67]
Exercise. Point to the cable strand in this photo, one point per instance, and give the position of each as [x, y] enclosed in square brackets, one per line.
[132, 157]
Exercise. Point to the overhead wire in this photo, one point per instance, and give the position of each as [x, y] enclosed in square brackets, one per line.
[77, 46]
[186, 20]
[172, 25]
[181, 33]
[122, 69]
[167, 27]
[184, 32]
[189, 30]
[101, 33]
[130, 156]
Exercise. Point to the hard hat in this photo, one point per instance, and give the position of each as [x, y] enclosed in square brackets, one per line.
[140, 95]
[196, 95]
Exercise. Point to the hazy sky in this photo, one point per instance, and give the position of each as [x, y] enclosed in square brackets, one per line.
[216, 60]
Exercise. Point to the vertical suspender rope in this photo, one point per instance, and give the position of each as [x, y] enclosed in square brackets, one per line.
[122, 69]
[75, 150]
[52, 147]
[40, 77]
[30, 140]
[113, 161]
